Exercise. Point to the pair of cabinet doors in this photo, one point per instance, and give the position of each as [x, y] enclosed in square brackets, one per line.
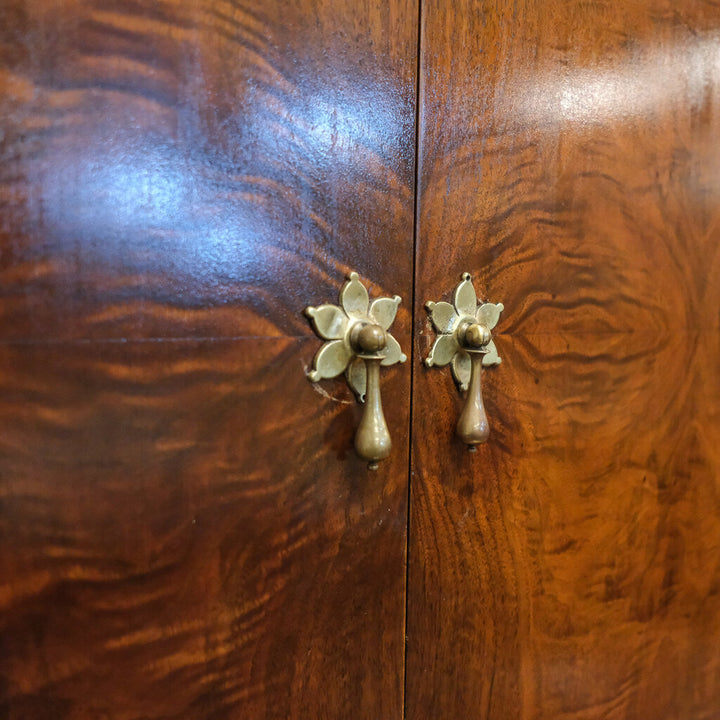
[185, 529]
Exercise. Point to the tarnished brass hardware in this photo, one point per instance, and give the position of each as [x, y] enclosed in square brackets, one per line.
[464, 340]
[472, 427]
[358, 343]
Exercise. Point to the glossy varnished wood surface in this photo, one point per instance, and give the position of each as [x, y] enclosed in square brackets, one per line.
[569, 569]
[185, 531]
[568, 159]
[200, 169]
[174, 547]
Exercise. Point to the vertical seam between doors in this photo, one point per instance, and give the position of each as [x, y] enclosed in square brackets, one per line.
[416, 224]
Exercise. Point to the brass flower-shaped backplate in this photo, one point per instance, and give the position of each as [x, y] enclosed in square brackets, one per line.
[449, 319]
[335, 323]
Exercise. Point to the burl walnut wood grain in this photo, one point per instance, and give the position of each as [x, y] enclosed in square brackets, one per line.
[185, 531]
[569, 569]
[200, 168]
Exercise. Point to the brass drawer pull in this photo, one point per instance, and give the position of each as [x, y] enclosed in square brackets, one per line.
[358, 343]
[464, 340]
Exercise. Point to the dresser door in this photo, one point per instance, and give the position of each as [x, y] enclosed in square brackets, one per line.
[185, 531]
[569, 159]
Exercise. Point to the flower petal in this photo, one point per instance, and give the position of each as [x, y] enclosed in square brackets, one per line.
[331, 359]
[393, 352]
[383, 311]
[491, 357]
[443, 315]
[329, 321]
[442, 351]
[462, 369]
[488, 314]
[354, 297]
[465, 297]
[356, 375]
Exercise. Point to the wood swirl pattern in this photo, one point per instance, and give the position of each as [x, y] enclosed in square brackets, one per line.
[176, 543]
[185, 531]
[570, 568]
[568, 159]
[571, 162]
[190, 169]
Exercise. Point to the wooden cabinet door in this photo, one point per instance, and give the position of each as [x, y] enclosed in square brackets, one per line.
[184, 530]
[569, 159]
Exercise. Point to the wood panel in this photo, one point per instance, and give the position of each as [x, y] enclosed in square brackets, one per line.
[568, 159]
[569, 569]
[176, 543]
[200, 169]
[185, 531]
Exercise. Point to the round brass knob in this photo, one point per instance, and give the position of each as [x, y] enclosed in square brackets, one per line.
[474, 336]
[368, 339]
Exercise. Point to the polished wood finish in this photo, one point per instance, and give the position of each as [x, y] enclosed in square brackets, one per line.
[185, 530]
[207, 169]
[178, 543]
[569, 569]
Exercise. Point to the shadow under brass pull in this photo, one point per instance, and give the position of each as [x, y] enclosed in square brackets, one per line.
[358, 343]
[465, 342]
